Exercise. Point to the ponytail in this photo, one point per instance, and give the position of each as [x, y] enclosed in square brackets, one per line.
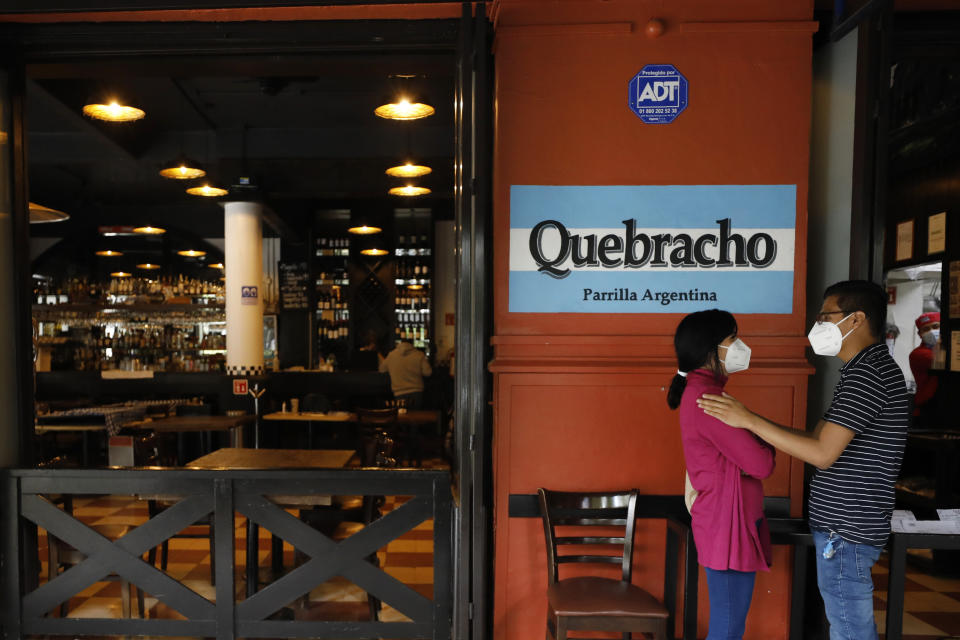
[677, 385]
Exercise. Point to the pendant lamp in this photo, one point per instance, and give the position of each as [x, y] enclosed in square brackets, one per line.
[406, 103]
[409, 190]
[364, 230]
[408, 170]
[110, 106]
[40, 214]
[207, 191]
[150, 231]
[182, 169]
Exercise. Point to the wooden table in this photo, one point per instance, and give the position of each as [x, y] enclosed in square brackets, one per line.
[198, 424]
[233, 458]
[84, 429]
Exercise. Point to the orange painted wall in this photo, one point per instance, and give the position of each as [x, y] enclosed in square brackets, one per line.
[579, 399]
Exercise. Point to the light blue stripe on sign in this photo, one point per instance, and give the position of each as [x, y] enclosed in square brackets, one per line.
[762, 206]
[736, 292]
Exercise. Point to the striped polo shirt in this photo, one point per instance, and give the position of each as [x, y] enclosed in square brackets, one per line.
[854, 497]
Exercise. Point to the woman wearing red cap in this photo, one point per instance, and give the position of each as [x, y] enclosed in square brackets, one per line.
[928, 326]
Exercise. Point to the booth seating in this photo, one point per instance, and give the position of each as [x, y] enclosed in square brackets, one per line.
[595, 603]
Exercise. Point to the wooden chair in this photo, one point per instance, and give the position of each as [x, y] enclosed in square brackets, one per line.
[341, 522]
[594, 603]
[370, 423]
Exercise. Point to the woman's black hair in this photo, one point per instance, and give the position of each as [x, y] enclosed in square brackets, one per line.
[695, 342]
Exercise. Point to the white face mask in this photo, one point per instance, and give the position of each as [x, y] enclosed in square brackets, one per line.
[738, 356]
[930, 337]
[826, 339]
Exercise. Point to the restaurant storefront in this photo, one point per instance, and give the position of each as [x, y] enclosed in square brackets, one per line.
[620, 165]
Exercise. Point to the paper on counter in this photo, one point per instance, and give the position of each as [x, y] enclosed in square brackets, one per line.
[949, 514]
[903, 514]
[943, 527]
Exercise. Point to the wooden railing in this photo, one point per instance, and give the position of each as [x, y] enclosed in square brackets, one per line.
[223, 493]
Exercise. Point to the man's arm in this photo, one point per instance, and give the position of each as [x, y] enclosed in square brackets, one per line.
[820, 448]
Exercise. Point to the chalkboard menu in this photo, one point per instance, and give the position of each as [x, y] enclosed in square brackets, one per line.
[294, 282]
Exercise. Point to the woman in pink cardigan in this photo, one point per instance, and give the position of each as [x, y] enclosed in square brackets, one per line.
[725, 466]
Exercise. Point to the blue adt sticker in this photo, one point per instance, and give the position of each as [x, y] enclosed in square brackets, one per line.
[658, 93]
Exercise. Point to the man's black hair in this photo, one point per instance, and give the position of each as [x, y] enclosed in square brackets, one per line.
[862, 295]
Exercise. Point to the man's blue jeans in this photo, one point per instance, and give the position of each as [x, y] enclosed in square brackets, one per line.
[847, 586]
[730, 594]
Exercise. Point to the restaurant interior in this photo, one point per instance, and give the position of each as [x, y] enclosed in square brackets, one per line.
[127, 260]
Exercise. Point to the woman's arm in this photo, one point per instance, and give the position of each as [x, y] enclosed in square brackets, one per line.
[741, 447]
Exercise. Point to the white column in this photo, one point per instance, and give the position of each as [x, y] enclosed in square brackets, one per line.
[243, 238]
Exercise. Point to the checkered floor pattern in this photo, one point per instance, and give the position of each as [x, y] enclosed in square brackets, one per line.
[409, 559]
[931, 603]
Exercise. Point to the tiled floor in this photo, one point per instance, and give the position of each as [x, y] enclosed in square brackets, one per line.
[409, 559]
[931, 603]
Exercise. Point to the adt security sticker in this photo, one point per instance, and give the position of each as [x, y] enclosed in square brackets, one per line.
[249, 295]
[658, 93]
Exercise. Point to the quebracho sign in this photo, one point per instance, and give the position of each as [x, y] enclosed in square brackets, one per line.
[652, 249]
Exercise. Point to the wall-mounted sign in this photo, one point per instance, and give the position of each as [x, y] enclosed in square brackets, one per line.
[240, 386]
[652, 249]
[249, 294]
[294, 285]
[904, 240]
[658, 93]
[937, 233]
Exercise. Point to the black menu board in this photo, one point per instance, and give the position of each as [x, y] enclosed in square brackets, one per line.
[294, 283]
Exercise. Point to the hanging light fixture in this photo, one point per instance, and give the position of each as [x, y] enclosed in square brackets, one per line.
[109, 253]
[216, 265]
[191, 253]
[120, 274]
[406, 105]
[374, 252]
[404, 109]
[148, 266]
[364, 230]
[150, 231]
[183, 168]
[111, 107]
[409, 190]
[408, 170]
[207, 191]
[40, 214]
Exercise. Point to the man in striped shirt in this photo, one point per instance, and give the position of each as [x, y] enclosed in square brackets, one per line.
[857, 448]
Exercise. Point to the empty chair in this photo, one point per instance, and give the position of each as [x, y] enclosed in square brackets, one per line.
[595, 528]
[341, 522]
[370, 422]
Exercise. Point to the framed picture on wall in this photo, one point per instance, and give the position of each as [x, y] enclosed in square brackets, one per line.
[937, 233]
[904, 241]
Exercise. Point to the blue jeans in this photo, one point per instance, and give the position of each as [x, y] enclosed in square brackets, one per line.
[847, 587]
[730, 594]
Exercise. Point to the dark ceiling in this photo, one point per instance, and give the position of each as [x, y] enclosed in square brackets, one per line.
[302, 127]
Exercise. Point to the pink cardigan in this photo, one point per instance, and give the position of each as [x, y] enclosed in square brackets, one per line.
[726, 466]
